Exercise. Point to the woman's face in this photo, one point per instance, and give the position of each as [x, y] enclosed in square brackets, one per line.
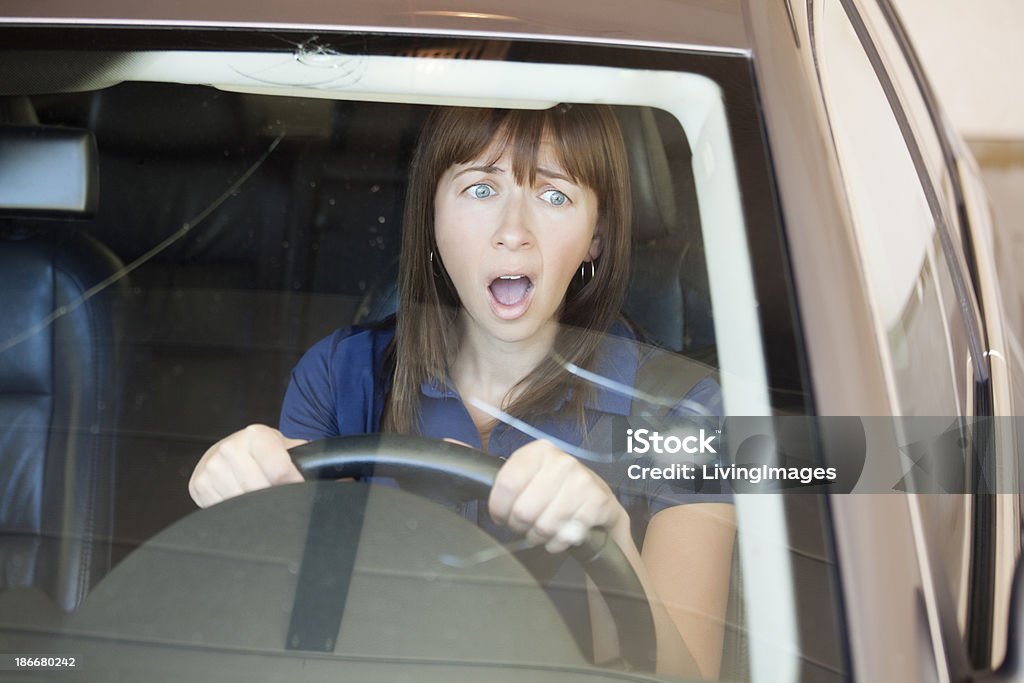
[510, 249]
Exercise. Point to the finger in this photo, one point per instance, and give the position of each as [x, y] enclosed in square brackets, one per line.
[204, 484]
[222, 479]
[563, 506]
[538, 495]
[566, 521]
[269, 451]
[202, 493]
[597, 513]
[573, 532]
[210, 453]
[517, 472]
[244, 468]
[197, 487]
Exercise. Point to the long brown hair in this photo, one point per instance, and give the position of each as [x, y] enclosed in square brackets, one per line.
[588, 143]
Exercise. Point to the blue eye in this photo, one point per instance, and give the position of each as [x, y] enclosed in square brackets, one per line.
[555, 198]
[480, 191]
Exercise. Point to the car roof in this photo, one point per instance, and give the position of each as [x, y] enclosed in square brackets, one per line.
[702, 24]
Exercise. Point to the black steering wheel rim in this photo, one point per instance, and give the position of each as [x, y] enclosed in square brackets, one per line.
[470, 473]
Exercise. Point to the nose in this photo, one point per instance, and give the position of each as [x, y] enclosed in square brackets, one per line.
[515, 229]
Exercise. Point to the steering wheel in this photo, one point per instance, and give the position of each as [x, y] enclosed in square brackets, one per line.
[470, 474]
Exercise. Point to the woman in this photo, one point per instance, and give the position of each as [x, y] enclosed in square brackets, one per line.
[514, 265]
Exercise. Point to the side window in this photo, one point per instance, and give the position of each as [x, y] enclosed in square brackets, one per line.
[904, 241]
[933, 152]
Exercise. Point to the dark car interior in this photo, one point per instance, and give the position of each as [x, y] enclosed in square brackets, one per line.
[231, 232]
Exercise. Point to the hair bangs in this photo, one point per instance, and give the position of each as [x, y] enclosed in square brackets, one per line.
[489, 135]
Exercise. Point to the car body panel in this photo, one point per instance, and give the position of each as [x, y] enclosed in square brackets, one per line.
[848, 378]
[705, 24]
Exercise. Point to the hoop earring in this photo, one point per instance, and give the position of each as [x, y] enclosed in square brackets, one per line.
[434, 269]
[585, 278]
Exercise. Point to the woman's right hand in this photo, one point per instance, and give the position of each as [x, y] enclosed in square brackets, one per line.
[250, 459]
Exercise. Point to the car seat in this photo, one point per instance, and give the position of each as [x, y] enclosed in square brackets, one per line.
[58, 366]
[668, 295]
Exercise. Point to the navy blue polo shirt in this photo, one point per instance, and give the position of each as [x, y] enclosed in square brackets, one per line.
[339, 386]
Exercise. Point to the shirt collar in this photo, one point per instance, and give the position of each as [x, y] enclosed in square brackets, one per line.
[435, 388]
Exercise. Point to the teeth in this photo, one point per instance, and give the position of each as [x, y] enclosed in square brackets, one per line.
[510, 277]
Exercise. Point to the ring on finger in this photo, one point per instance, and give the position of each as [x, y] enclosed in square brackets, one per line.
[572, 532]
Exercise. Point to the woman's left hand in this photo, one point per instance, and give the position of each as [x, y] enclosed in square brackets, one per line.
[553, 499]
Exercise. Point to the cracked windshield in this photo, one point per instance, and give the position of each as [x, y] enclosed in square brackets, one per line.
[401, 387]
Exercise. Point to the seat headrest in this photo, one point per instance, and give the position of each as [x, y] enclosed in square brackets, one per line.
[48, 171]
[656, 213]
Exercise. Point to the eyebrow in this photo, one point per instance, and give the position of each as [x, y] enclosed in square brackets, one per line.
[490, 168]
[555, 175]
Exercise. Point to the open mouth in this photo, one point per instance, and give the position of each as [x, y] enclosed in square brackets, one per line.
[510, 295]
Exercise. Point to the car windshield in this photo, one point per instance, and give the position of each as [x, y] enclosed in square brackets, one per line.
[243, 223]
